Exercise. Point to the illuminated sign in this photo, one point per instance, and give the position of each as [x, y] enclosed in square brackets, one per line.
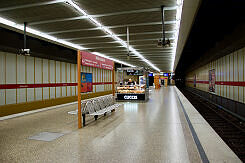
[127, 97]
[165, 74]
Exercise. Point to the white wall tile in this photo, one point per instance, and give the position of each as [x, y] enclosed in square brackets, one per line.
[38, 70]
[58, 72]
[30, 94]
[235, 67]
[21, 70]
[68, 91]
[2, 96]
[2, 68]
[63, 72]
[58, 92]
[235, 93]
[45, 93]
[232, 92]
[45, 71]
[72, 73]
[63, 91]
[73, 90]
[241, 64]
[52, 71]
[38, 94]
[11, 96]
[21, 95]
[30, 70]
[68, 73]
[52, 92]
[10, 69]
[241, 95]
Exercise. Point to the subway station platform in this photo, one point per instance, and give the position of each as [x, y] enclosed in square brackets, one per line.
[165, 129]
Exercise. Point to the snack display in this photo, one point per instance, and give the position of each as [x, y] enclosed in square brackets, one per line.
[136, 89]
[132, 84]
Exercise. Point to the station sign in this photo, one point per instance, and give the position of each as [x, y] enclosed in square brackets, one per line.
[92, 60]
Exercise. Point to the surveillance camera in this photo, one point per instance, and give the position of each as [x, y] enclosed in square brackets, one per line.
[159, 43]
[25, 52]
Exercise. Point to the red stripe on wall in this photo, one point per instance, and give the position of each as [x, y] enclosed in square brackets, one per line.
[101, 83]
[242, 84]
[18, 86]
[231, 83]
[202, 82]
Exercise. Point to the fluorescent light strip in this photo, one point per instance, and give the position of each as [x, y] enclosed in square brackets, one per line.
[102, 55]
[54, 39]
[39, 34]
[177, 27]
[112, 35]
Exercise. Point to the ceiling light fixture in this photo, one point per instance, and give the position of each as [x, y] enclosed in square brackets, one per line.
[102, 55]
[54, 39]
[112, 35]
[177, 28]
[39, 34]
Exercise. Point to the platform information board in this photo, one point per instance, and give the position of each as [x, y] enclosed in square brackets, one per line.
[92, 60]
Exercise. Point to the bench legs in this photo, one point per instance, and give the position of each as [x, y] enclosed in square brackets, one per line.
[112, 110]
[96, 117]
[83, 119]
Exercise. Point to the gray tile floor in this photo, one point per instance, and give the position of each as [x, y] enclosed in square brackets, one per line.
[46, 136]
[155, 131]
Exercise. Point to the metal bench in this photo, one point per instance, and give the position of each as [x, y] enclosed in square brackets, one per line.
[99, 106]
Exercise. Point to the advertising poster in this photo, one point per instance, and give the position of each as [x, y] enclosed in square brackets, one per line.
[142, 80]
[212, 80]
[86, 80]
[195, 81]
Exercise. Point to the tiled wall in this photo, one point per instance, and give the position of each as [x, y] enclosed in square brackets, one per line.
[16, 69]
[229, 74]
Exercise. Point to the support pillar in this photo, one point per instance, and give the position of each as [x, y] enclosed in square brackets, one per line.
[79, 89]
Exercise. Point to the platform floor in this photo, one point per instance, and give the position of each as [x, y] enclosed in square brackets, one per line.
[156, 131]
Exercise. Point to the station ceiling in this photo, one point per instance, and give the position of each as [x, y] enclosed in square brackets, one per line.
[218, 30]
[143, 17]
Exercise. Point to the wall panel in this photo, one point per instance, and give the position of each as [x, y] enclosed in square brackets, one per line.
[2, 76]
[10, 77]
[68, 79]
[21, 69]
[10, 96]
[2, 67]
[38, 94]
[2, 97]
[11, 68]
[42, 78]
[45, 93]
[21, 78]
[57, 80]
[52, 77]
[75, 68]
[38, 78]
[45, 71]
[229, 74]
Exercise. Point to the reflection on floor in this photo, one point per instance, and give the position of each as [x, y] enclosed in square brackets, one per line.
[155, 131]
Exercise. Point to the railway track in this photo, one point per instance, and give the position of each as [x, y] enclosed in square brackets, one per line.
[229, 128]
